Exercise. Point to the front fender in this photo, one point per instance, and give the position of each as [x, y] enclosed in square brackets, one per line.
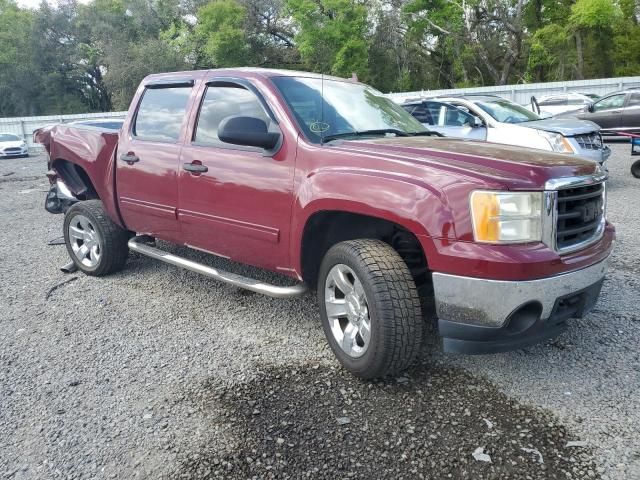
[403, 200]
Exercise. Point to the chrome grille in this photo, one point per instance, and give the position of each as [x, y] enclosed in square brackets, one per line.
[580, 215]
[12, 150]
[589, 141]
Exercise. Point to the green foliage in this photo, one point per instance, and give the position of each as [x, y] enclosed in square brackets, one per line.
[79, 57]
[593, 14]
[332, 35]
[222, 34]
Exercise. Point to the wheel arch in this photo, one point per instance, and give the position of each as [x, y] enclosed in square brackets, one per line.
[76, 179]
[325, 228]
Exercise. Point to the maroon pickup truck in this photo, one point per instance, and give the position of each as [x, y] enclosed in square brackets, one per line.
[328, 182]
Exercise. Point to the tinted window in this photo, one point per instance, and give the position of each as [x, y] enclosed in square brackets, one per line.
[455, 117]
[161, 113]
[421, 114]
[614, 101]
[222, 102]
[634, 100]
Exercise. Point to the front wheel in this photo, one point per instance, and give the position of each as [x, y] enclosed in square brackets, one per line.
[635, 169]
[370, 308]
[95, 243]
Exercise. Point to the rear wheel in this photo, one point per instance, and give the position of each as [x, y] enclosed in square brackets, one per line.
[635, 169]
[95, 243]
[370, 308]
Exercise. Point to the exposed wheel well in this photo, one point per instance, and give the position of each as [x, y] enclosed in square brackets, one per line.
[76, 178]
[325, 229]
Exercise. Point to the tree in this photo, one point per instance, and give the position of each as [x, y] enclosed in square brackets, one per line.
[332, 35]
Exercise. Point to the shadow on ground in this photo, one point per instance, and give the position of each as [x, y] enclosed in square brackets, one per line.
[319, 422]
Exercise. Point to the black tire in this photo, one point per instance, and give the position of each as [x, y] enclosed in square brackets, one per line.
[394, 312]
[112, 239]
[635, 169]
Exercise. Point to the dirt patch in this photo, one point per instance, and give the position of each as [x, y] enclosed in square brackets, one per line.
[319, 422]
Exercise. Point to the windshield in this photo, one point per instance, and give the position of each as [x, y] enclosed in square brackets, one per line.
[506, 112]
[340, 108]
[9, 137]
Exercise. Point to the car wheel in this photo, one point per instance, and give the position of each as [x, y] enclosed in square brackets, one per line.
[635, 169]
[370, 308]
[95, 243]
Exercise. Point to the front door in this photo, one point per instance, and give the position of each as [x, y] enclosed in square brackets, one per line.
[607, 112]
[148, 161]
[235, 201]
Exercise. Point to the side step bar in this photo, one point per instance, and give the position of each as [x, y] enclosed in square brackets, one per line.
[227, 277]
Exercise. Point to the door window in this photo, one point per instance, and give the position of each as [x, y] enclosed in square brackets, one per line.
[454, 117]
[221, 102]
[161, 113]
[634, 100]
[614, 101]
[421, 114]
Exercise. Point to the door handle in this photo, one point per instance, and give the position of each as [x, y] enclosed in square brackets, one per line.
[129, 158]
[195, 168]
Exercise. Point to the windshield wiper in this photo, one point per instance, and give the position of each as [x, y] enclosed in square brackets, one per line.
[364, 133]
[426, 133]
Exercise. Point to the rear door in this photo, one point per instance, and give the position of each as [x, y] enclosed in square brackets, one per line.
[148, 160]
[631, 114]
[240, 205]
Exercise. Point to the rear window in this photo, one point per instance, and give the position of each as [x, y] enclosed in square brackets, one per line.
[161, 113]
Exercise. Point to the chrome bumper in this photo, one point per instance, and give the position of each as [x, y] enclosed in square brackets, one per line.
[490, 303]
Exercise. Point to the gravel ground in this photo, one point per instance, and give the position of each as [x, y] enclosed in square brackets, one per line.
[156, 372]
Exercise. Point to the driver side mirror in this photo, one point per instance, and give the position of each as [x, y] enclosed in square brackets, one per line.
[247, 131]
[476, 122]
[590, 107]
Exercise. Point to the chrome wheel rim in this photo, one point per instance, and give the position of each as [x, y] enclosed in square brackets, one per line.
[85, 241]
[347, 310]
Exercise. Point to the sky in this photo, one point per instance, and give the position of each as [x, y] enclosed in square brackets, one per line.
[36, 3]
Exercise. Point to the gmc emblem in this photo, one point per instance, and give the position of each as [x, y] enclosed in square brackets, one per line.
[590, 211]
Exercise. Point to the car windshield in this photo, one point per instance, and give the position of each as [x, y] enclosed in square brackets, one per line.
[334, 108]
[505, 111]
[9, 137]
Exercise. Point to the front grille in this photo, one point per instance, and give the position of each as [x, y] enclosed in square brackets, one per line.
[589, 141]
[13, 150]
[580, 213]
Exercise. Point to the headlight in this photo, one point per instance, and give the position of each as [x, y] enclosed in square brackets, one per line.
[558, 142]
[506, 217]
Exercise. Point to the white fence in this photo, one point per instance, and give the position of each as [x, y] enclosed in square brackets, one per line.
[24, 126]
[522, 93]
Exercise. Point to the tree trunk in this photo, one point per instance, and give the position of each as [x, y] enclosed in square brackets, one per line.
[579, 52]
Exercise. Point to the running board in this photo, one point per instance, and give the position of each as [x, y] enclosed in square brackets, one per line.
[227, 277]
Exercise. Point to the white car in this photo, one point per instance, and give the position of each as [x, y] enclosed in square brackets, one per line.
[495, 119]
[12, 146]
[561, 102]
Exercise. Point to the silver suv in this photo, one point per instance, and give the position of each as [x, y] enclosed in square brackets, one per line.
[495, 119]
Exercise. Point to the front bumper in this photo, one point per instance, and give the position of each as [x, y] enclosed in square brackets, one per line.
[12, 154]
[601, 156]
[477, 315]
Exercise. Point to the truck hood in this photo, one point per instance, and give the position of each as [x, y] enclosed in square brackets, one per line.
[504, 166]
[566, 126]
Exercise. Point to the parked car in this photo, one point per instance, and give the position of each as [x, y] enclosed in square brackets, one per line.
[616, 112]
[561, 102]
[498, 120]
[12, 146]
[446, 119]
[326, 181]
